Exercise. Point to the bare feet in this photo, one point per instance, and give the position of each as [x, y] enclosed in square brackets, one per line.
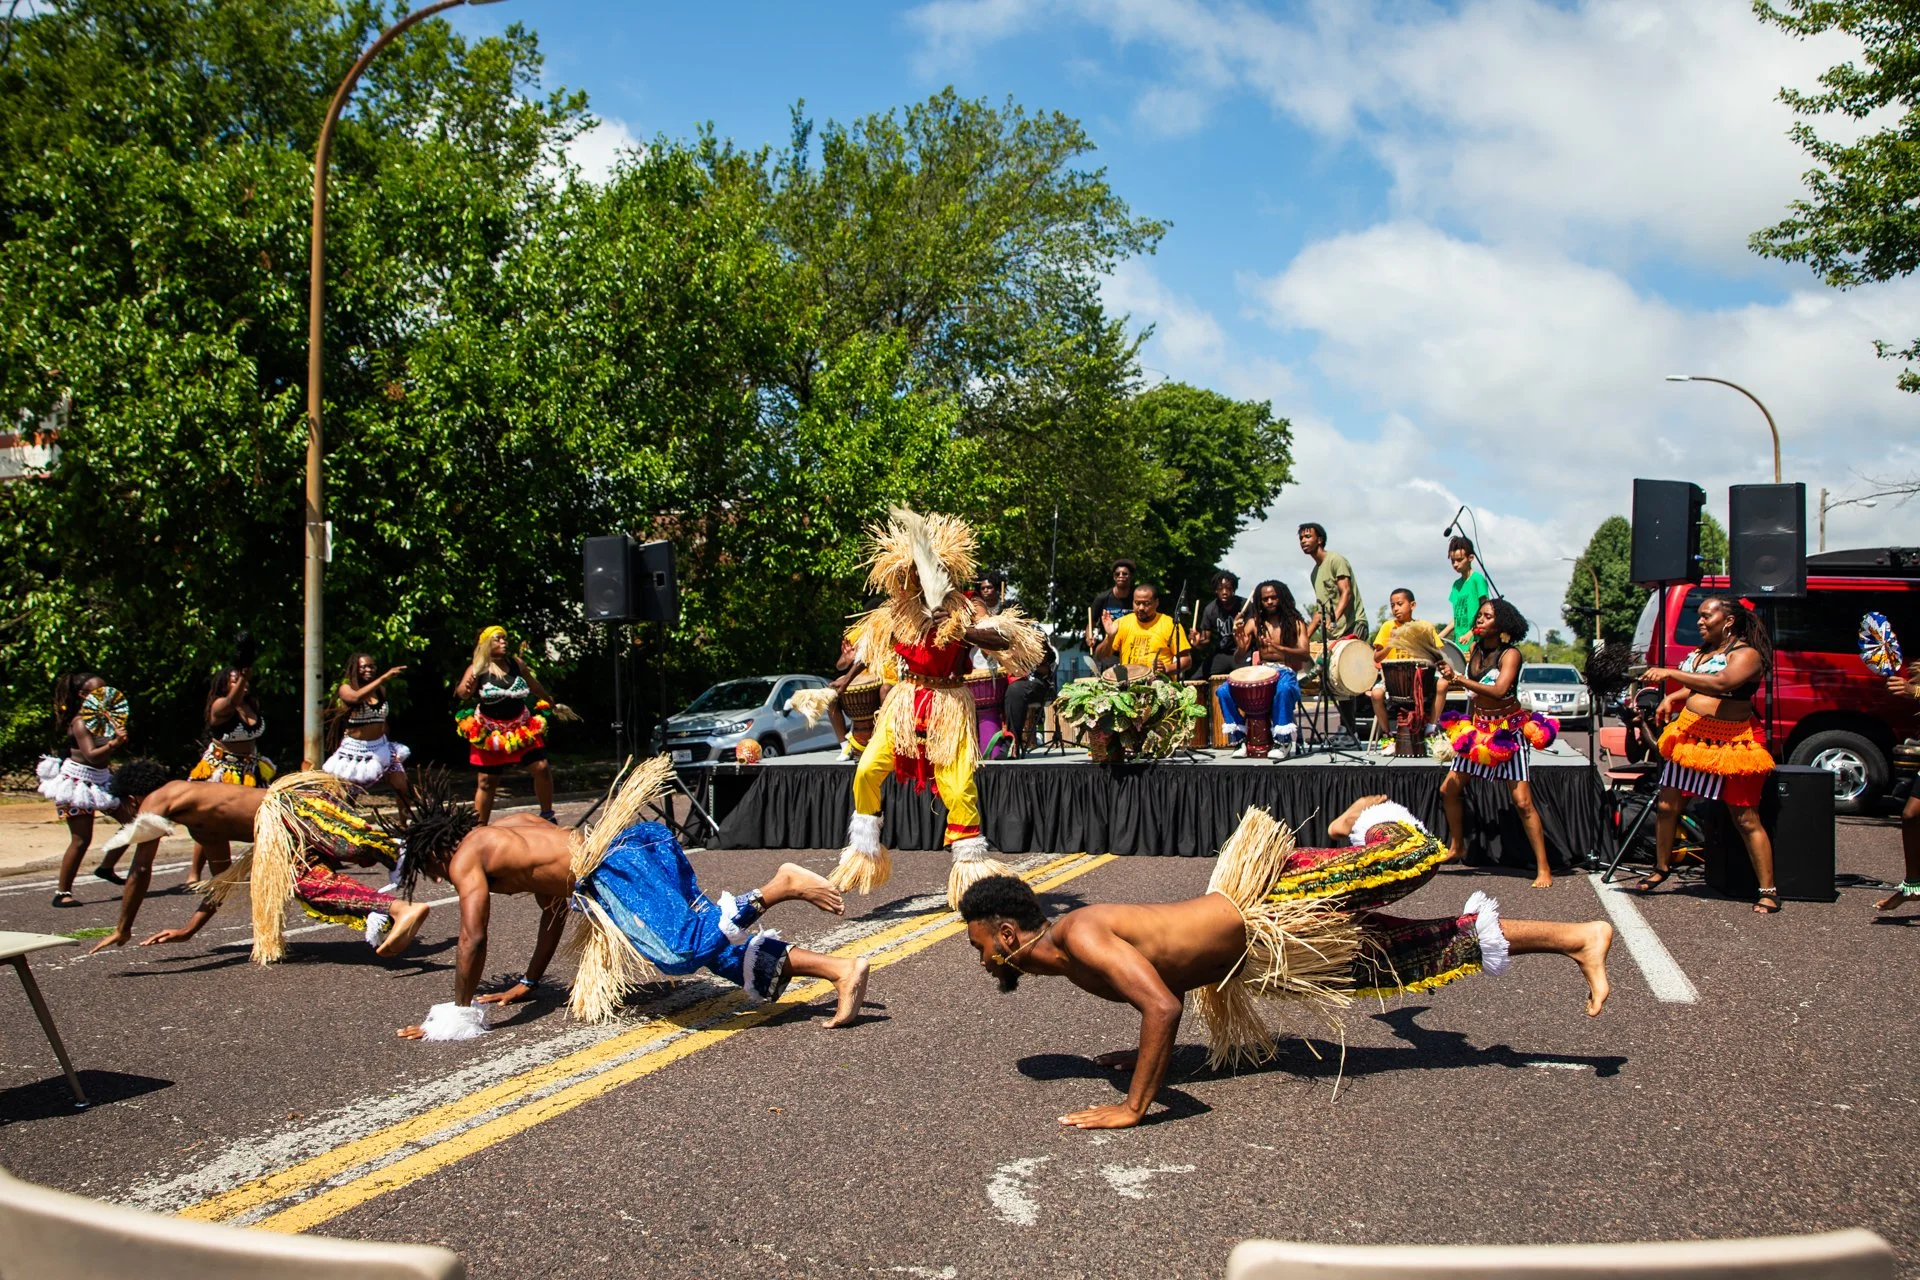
[1892, 902]
[1456, 852]
[852, 986]
[407, 919]
[1543, 881]
[795, 881]
[1118, 1060]
[1592, 959]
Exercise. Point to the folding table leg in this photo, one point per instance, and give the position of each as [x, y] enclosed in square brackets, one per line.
[46, 1024]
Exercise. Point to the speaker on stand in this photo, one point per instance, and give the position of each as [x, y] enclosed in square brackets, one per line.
[1767, 554]
[627, 581]
[1666, 532]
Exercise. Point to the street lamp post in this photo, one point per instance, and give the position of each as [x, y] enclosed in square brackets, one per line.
[1867, 500]
[1700, 377]
[1597, 642]
[311, 746]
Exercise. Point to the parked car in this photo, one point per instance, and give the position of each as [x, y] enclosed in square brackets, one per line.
[1557, 689]
[1828, 709]
[711, 727]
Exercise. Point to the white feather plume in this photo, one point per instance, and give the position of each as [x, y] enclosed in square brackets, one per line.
[934, 583]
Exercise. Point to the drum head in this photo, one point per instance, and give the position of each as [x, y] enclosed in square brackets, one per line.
[1350, 667]
[1456, 657]
[1244, 676]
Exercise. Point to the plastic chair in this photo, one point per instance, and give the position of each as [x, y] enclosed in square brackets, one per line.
[50, 1235]
[1836, 1255]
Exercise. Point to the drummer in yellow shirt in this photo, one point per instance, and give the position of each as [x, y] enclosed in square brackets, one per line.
[1146, 637]
[1402, 637]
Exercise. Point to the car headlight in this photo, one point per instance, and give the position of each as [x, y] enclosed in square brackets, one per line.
[735, 726]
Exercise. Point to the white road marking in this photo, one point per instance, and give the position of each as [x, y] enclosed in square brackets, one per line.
[1007, 1191]
[1663, 975]
[10, 887]
[245, 1159]
[1559, 1066]
[1130, 1180]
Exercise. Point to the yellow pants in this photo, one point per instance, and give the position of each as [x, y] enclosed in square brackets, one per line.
[954, 781]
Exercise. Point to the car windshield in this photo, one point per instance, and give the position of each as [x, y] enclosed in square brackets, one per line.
[734, 695]
[1549, 675]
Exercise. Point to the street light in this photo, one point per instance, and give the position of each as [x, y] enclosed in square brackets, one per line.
[1701, 377]
[311, 747]
[1866, 500]
[1597, 642]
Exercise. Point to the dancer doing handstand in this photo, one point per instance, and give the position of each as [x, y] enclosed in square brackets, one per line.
[1277, 922]
[642, 912]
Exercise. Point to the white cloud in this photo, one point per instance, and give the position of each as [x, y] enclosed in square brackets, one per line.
[1189, 344]
[596, 152]
[1644, 123]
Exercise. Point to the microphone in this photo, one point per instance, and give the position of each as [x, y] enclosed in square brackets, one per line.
[1453, 523]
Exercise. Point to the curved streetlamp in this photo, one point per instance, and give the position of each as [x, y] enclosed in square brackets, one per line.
[1582, 562]
[1701, 377]
[311, 746]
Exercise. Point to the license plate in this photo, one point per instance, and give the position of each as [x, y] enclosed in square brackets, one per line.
[682, 756]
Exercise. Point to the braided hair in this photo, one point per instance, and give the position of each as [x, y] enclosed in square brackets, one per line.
[1747, 629]
[66, 698]
[438, 824]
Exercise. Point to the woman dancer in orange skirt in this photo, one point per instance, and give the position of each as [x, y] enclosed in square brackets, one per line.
[1709, 744]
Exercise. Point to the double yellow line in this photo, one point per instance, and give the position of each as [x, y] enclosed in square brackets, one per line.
[677, 1035]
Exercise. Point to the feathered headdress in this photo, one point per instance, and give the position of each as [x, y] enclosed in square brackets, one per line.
[921, 563]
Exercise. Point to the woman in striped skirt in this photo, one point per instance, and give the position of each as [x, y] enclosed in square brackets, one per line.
[1709, 744]
[1494, 740]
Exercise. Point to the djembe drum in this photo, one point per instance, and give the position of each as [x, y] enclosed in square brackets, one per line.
[989, 690]
[1252, 691]
[861, 701]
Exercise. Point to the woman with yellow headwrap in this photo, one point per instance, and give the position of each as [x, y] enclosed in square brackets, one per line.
[504, 720]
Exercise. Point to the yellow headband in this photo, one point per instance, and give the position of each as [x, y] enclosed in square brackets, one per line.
[490, 634]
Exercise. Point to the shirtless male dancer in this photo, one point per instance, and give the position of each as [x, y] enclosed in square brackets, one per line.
[1277, 921]
[215, 814]
[643, 913]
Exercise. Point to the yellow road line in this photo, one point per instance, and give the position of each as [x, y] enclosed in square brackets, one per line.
[329, 1164]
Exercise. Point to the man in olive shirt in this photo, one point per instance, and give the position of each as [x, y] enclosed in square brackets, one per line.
[1337, 609]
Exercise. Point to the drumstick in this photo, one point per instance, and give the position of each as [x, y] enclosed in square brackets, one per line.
[1196, 617]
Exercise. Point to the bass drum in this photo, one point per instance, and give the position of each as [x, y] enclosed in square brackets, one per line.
[1350, 669]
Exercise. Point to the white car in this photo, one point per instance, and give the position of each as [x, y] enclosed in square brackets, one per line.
[1557, 689]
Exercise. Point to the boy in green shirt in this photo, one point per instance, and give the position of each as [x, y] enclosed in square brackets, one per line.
[1467, 591]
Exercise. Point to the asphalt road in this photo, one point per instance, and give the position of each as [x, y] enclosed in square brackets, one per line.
[922, 1141]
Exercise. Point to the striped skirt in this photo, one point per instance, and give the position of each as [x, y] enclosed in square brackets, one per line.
[1716, 759]
[1512, 769]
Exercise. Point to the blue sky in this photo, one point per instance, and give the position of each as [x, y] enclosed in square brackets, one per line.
[1457, 245]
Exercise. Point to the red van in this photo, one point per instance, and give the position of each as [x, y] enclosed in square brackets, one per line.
[1829, 710]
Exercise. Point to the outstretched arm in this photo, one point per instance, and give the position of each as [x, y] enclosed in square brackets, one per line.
[469, 880]
[1743, 664]
[1129, 976]
[553, 925]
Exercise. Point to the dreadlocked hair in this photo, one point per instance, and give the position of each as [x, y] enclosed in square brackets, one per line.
[1606, 671]
[437, 826]
[1747, 628]
[66, 698]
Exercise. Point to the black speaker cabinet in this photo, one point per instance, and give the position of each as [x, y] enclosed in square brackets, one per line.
[1797, 810]
[656, 589]
[608, 570]
[1767, 540]
[1666, 531]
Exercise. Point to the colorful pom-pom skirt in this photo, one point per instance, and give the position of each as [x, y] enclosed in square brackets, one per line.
[217, 764]
[492, 743]
[1718, 759]
[1495, 746]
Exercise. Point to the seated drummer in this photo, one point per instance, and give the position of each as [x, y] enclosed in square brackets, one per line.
[990, 592]
[1402, 638]
[1273, 631]
[1213, 642]
[1147, 637]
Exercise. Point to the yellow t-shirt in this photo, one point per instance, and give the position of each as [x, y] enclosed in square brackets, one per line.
[1415, 640]
[1137, 646]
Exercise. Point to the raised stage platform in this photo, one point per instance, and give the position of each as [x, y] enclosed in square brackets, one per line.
[1067, 804]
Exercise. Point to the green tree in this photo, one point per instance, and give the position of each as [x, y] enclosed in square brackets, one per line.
[1860, 223]
[1219, 463]
[1609, 552]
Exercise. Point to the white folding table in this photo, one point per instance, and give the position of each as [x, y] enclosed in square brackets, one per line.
[16, 947]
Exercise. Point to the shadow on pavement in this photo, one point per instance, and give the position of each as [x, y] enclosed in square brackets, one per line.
[1068, 1066]
[1427, 1050]
[49, 1100]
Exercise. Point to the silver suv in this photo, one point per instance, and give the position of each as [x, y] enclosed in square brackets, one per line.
[714, 723]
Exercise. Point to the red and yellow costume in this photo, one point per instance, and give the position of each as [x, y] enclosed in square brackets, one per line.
[925, 734]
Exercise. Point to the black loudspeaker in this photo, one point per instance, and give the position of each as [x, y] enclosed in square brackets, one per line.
[1797, 810]
[1767, 540]
[608, 569]
[656, 589]
[1666, 531]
